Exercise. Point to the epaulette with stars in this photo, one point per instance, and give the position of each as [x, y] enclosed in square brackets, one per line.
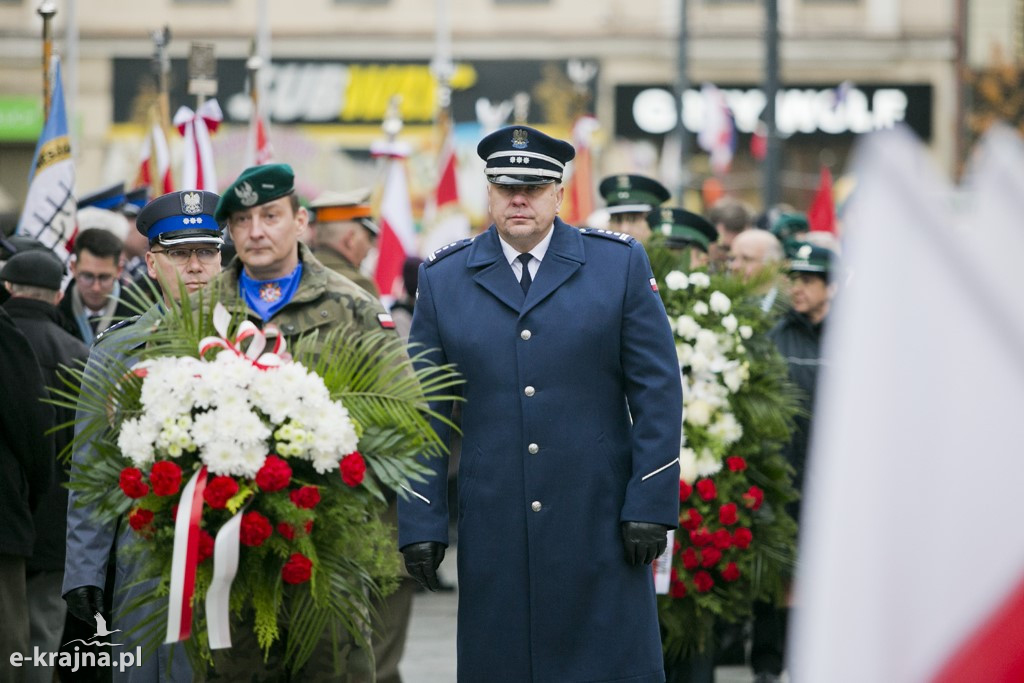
[448, 250]
[620, 237]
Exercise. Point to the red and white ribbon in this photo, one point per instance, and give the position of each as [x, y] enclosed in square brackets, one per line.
[246, 331]
[195, 126]
[185, 558]
[218, 597]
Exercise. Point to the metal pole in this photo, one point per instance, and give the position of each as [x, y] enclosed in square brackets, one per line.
[70, 69]
[773, 148]
[46, 11]
[681, 86]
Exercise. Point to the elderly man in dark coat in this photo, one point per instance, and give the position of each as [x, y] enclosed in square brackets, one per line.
[569, 476]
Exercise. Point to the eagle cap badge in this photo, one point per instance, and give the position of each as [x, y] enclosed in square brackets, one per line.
[191, 203]
[246, 195]
[519, 138]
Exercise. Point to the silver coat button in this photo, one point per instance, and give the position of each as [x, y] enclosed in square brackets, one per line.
[529, 391]
[533, 448]
[525, 334]
[536, 506]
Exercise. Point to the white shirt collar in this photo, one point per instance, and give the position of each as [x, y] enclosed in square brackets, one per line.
[538, 252]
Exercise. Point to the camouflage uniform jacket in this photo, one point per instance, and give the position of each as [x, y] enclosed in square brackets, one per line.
[324, 300]
[342, 265]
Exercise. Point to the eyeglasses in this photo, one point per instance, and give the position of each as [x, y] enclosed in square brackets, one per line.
[182, 256]
[89, 279]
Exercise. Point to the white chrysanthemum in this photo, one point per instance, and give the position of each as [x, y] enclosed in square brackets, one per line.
[706, 342]
[221, 457]
[699, 362]
[677, 280]
[700, 280]
[684, 352]
[726, 428]
[746, 331]
[687, 327]
[135, 441]
[720, 303]
[687, 465]
[730, 323]
[697, 412]
[707, 463]
[700, 308]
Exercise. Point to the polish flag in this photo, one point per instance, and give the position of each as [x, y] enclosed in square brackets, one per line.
[397, 238]
[155, 145]
[198, 171]
[444, 215]
[822, 214]
[912, 547]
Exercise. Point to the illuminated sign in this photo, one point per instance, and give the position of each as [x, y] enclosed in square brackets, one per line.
[808, 110]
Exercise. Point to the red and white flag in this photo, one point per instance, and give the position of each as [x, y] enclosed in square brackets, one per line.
[397, 238]
[912, 547]
[717, 135]
[446, 220]
[581, 182]
[198, 172]
[258, 148]
[155, 157]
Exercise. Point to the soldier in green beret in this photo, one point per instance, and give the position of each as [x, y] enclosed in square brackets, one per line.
[275, 278]
[629, 198]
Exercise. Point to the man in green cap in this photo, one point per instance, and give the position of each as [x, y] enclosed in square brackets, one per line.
[629, 198]
[275, 278]
[684, 231]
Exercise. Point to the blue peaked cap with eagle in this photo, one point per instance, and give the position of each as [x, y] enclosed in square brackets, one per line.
[520, 155]
[180, 218]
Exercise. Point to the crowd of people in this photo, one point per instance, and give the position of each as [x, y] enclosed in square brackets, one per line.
[568, 421]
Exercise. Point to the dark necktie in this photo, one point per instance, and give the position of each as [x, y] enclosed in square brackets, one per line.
[525, 281]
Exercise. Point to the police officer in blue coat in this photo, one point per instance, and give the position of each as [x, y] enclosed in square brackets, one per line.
[569, 475]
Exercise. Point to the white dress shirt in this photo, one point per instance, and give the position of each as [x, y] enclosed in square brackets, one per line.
[538, 252]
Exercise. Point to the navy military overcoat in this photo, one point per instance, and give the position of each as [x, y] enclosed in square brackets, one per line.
[571, 425]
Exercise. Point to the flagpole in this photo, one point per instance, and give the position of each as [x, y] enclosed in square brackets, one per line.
[46, 11]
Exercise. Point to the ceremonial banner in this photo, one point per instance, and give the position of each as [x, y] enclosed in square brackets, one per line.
[397, 238]
[49, 212]
[446, 220]
[717, 136]
[155, 145]
[198, 172]
[912, 551]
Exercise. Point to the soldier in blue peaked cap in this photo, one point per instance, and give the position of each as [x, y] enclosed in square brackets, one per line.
[569, 472]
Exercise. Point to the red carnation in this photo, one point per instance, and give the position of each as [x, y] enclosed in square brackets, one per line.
[205, 545]
[306, 497]
[753, 498]
[219, 491]
[731, 572]
[274, 475]
[140, 518]
[722, 539]
[353, 468]
[703, 581]
[255, 529]
[742, 537]
[297, 569]
[165, 478]
[684, 490]
[678, 589]
[131, 483]
[710, 556]
[727, 514]
[700, 537]
[706, 489]
[308, 526]
[286, 530]
[691, 520]
[735, 463]
[690, 559]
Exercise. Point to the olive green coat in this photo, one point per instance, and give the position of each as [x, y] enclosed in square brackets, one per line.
[343, 266]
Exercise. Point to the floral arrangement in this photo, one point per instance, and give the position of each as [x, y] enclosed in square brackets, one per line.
[288, 459]
[735, 543]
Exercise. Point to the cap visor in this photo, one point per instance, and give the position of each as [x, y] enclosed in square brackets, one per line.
[520, 180]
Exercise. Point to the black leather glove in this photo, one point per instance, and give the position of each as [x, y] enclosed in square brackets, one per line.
[84, 602]
[422, 561]
[643, 541]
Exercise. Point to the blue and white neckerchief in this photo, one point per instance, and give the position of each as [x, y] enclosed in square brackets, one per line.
[267, 297]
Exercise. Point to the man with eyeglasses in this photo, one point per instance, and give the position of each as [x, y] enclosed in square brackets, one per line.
[93, 299]
[184, 254]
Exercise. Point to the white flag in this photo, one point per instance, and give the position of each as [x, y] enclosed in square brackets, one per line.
[912, 546]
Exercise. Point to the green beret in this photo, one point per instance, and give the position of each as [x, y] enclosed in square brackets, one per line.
[682, 228]
[34, 267]
[632, 193]
[256, 185]
[789, 224]
[810, 258]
